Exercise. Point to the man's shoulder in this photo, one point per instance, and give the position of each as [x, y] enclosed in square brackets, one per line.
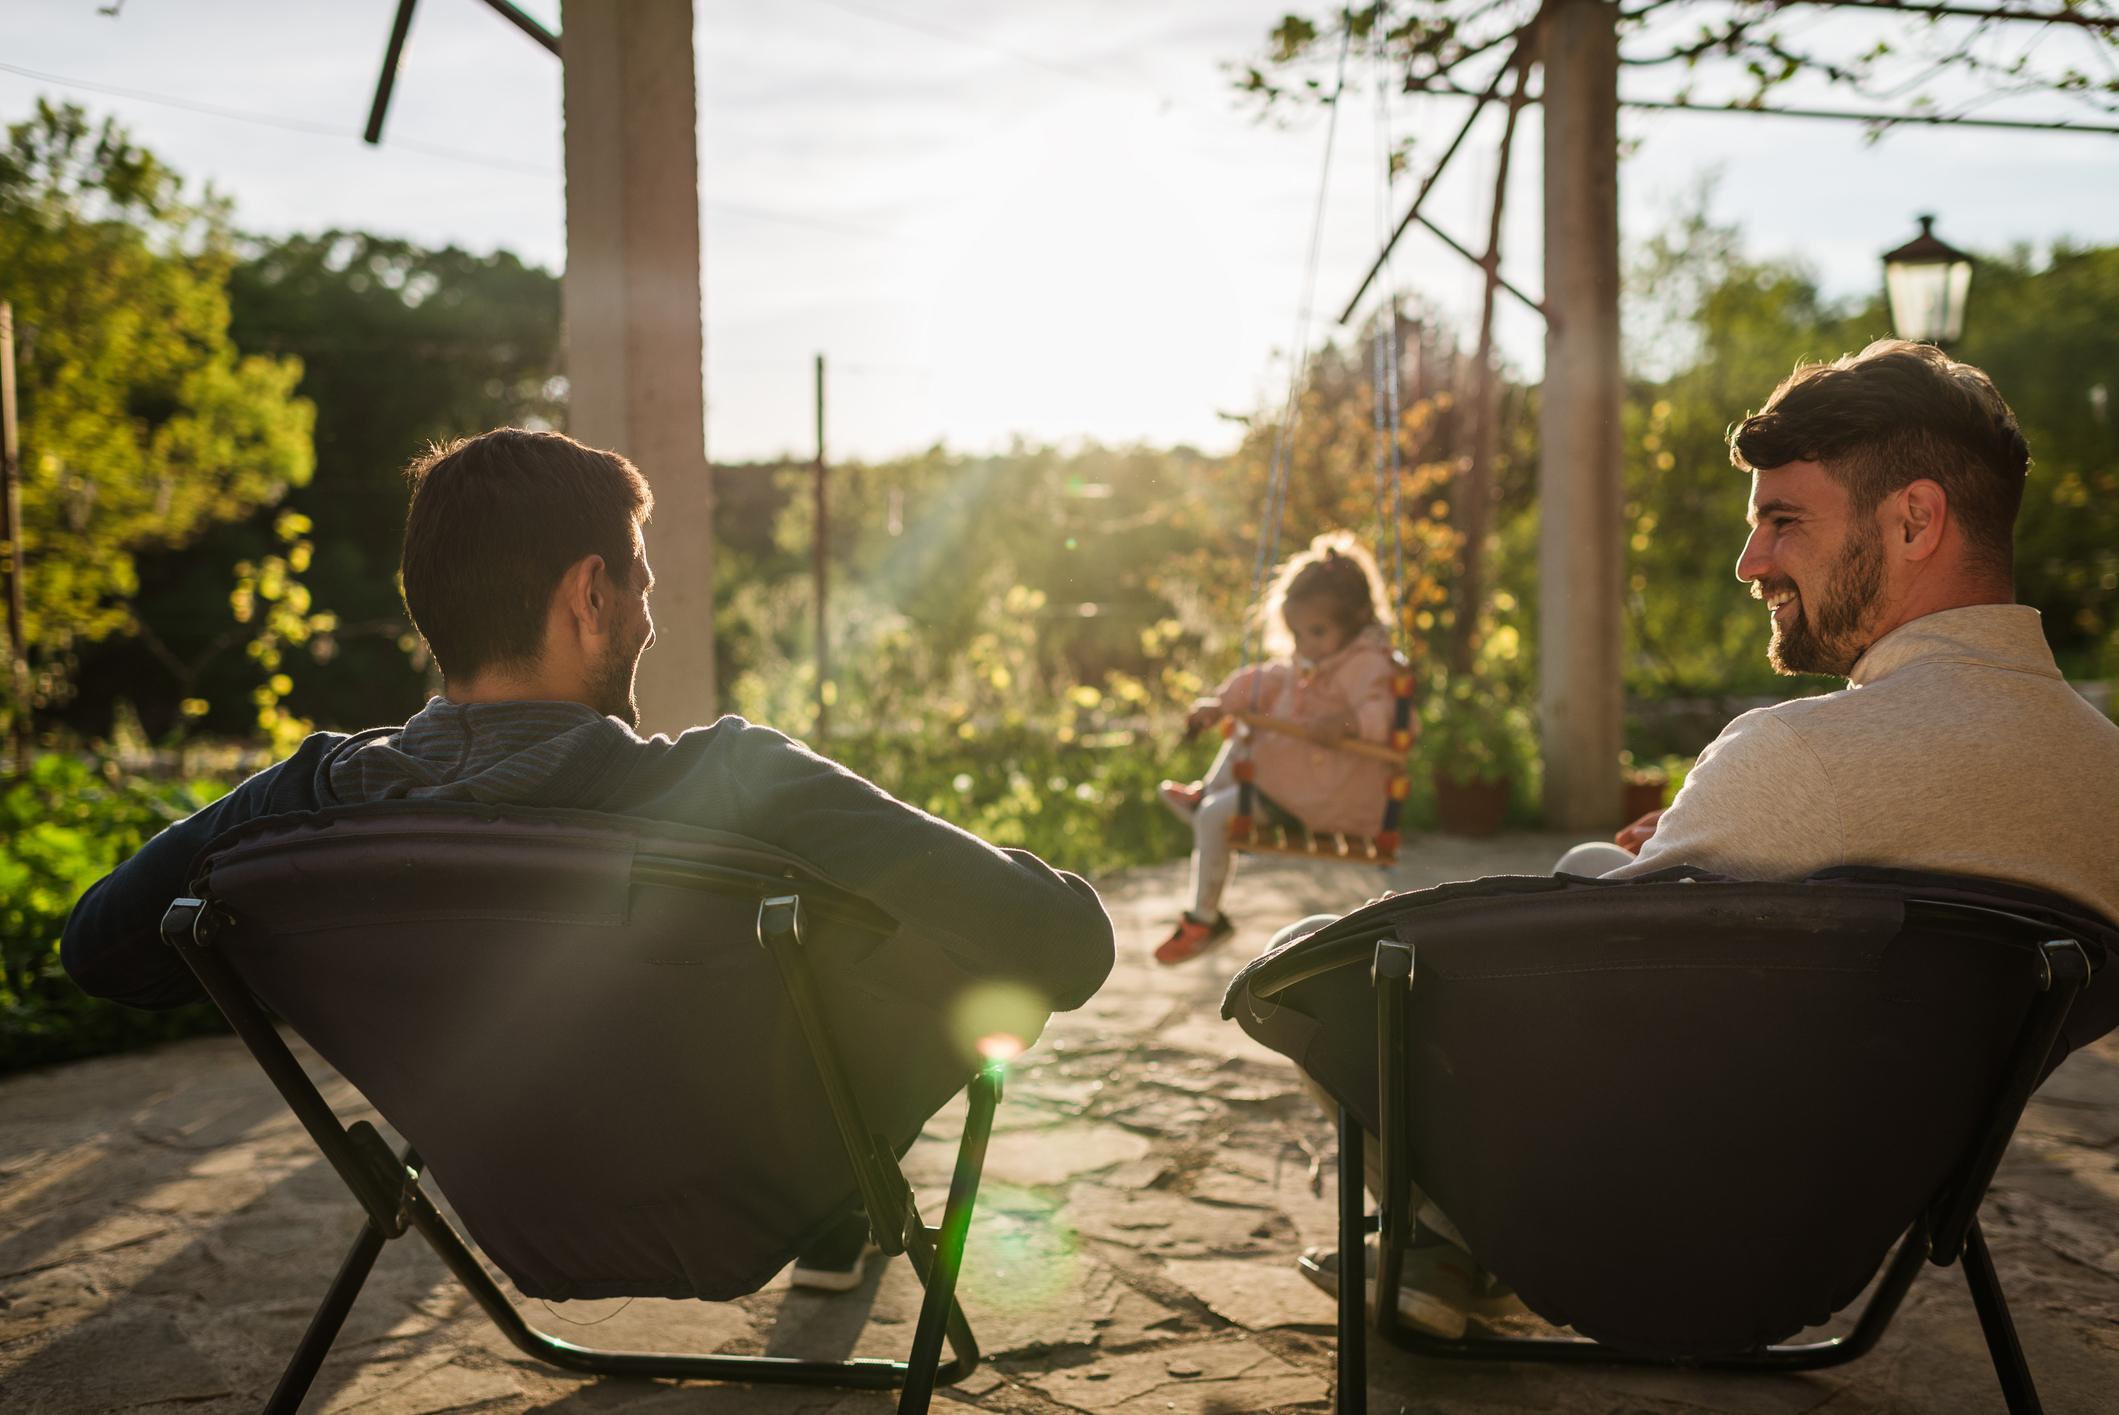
[725, 734]
[1789, 721]
[303, 766]
[707, 770]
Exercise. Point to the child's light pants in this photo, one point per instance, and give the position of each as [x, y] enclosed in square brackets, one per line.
[1212, 859]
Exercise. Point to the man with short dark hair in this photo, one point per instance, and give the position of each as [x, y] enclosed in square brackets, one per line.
[525, 567]
[1884, 492]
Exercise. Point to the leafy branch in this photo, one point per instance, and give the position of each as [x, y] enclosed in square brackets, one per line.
[1935, 58]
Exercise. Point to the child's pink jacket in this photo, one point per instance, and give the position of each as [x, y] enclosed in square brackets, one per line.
[1330, 791]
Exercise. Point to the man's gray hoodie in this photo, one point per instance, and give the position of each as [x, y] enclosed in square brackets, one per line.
[1000, 913]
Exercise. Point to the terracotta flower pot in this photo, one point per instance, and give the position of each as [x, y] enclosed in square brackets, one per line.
[1471, 807]
[1638, 798]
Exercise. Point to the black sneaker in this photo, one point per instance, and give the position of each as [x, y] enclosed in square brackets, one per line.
[839, 1260]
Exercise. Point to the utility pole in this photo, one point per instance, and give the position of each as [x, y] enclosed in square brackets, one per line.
[821, 550]
[11, 540]
[1581, 541]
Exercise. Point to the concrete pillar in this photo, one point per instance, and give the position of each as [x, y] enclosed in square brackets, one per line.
[635, 347]
[1582, 546]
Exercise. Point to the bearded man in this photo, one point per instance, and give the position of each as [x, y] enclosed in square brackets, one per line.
[1884, 492]
[525, 568]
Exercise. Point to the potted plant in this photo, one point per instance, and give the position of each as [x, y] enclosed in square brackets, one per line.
[1644, 788]
[1478, 743]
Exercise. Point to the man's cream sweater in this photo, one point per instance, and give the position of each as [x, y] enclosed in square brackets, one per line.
[1956, 746]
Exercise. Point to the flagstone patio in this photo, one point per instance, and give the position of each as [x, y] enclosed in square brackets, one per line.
[166, 1229]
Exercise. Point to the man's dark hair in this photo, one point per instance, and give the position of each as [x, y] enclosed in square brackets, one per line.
[495, 521]
[1890, 415]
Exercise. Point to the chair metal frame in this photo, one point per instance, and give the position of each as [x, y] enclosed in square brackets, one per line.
[1948, 1229]
[388, 1185]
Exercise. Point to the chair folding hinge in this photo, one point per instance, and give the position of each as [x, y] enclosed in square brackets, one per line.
[1393, 963]
[193, 921]
[780, 915]
[387, 1194]
[2062, 960]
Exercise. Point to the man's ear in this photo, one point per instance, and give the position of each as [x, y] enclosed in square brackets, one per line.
[585, 594]
[1923, 512]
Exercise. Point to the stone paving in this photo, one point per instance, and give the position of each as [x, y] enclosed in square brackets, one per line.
[166, 1229]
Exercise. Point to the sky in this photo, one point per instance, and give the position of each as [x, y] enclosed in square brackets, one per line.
[1049, 222]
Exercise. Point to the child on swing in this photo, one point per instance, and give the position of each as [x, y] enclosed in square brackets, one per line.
[1331, 670]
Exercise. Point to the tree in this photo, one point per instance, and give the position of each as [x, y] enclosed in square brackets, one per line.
[2043, 332]
[2049, 334]
[399, 346]
[141, 424]
[1928, 62]
[1921, 59]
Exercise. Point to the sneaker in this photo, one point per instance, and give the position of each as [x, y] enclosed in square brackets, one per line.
[1191, 938]
[1439, 1290]
[838, 1261]
[1182, 800]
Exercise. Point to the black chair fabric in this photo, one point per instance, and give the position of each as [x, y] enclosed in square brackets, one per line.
[600, 1067]
[1686, 1117]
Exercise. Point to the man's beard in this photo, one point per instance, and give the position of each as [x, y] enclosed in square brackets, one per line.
[612, 685]
[1831, 639]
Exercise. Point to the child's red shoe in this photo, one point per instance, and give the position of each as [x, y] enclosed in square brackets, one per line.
[1191, 938]
[1183, 800]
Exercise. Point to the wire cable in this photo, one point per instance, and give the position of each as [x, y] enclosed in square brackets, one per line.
[309, 128]
[269, 120]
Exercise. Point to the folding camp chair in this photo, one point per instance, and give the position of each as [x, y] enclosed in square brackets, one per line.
[1687, 1118]
[624, 1056]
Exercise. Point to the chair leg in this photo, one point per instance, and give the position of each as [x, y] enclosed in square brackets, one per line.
[938, 1308]
[2016, 1386]
[324, 1326]
[1352, 1396]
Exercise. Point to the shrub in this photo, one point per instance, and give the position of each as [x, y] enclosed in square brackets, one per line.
[1087, 805]
[63, 826]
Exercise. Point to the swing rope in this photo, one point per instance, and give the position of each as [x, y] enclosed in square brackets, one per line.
[1299, 362]
[1382, 848]
[1388, 414]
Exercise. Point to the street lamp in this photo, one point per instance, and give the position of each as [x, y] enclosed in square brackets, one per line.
[1927, 280]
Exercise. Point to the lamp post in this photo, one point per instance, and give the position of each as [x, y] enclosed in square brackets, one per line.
[1927, 280]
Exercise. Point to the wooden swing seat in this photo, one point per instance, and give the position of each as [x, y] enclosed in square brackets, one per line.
[1316, 845]
[1277, 833]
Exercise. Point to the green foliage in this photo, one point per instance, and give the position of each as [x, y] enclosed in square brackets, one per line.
[1718, 331]
[2048, 335]
[62, 827]
[1077, 599]
[1474, 726]
[1085, 803]
[1933, 64]
[398, 346]
[141, 424]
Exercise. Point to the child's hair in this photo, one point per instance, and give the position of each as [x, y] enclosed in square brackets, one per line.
[1334, 571]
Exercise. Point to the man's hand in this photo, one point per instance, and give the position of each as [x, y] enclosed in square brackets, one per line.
[1634, 836]
[1204, 714]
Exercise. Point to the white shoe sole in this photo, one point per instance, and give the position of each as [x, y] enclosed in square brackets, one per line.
[833, 1279]
[1421, 1310]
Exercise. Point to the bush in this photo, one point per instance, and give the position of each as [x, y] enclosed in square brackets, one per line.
[62, 827]
[1086, 804]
